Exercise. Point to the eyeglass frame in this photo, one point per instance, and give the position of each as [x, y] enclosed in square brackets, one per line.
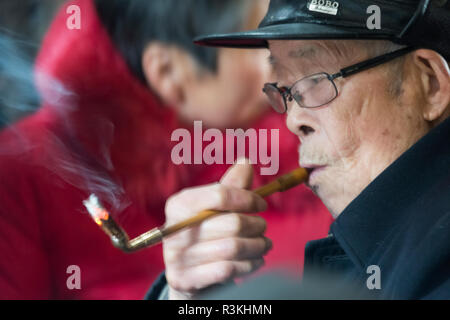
[287, 95]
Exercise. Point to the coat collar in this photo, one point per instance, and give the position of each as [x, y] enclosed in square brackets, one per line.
[364, 226]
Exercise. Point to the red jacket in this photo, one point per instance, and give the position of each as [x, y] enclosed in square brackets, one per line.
[100, 130]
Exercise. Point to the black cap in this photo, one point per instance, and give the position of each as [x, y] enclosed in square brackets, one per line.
[419, 23]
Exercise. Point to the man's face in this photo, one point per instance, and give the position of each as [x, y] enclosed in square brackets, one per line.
[351, 140]
[231, 96]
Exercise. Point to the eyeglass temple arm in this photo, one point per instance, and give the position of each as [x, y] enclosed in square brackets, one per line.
[371, 63]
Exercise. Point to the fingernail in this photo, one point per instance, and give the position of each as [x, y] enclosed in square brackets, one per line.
[262, 204]
[260, 263]
[241, 160]
[269, 244]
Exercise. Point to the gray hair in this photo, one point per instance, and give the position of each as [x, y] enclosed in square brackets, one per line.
[395, 71]
[366, 49]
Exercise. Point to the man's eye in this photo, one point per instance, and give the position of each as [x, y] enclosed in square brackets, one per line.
[315, 81]
[297, 97]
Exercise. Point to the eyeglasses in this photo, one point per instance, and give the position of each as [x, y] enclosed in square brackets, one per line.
[319, 89]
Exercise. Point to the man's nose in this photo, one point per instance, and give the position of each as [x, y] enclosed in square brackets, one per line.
[299, 120]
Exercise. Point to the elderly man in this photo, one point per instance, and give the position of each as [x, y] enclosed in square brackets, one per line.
[372, 119]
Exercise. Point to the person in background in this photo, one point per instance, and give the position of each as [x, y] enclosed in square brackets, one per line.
[113, 92]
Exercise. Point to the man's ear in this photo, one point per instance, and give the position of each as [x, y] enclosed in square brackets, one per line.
[164, 72]
[435, 79]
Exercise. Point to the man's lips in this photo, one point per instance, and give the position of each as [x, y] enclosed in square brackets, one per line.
[313, 171]
[312, 167]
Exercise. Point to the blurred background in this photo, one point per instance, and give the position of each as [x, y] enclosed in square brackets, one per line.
[22, 26]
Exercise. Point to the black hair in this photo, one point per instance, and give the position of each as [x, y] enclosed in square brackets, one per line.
[132, 24]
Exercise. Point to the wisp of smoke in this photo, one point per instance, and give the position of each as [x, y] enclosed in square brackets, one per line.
[18, 94]
[68, 159]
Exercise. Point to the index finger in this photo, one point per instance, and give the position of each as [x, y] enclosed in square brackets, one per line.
[190, 202]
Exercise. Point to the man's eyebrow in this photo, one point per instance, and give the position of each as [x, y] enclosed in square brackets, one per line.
[307, 53]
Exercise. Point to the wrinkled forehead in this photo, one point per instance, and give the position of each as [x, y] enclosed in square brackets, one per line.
[311, 55]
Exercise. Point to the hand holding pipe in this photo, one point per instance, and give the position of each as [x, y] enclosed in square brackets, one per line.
[121, 240]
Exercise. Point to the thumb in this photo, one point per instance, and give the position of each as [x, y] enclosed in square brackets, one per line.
[239, 175]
